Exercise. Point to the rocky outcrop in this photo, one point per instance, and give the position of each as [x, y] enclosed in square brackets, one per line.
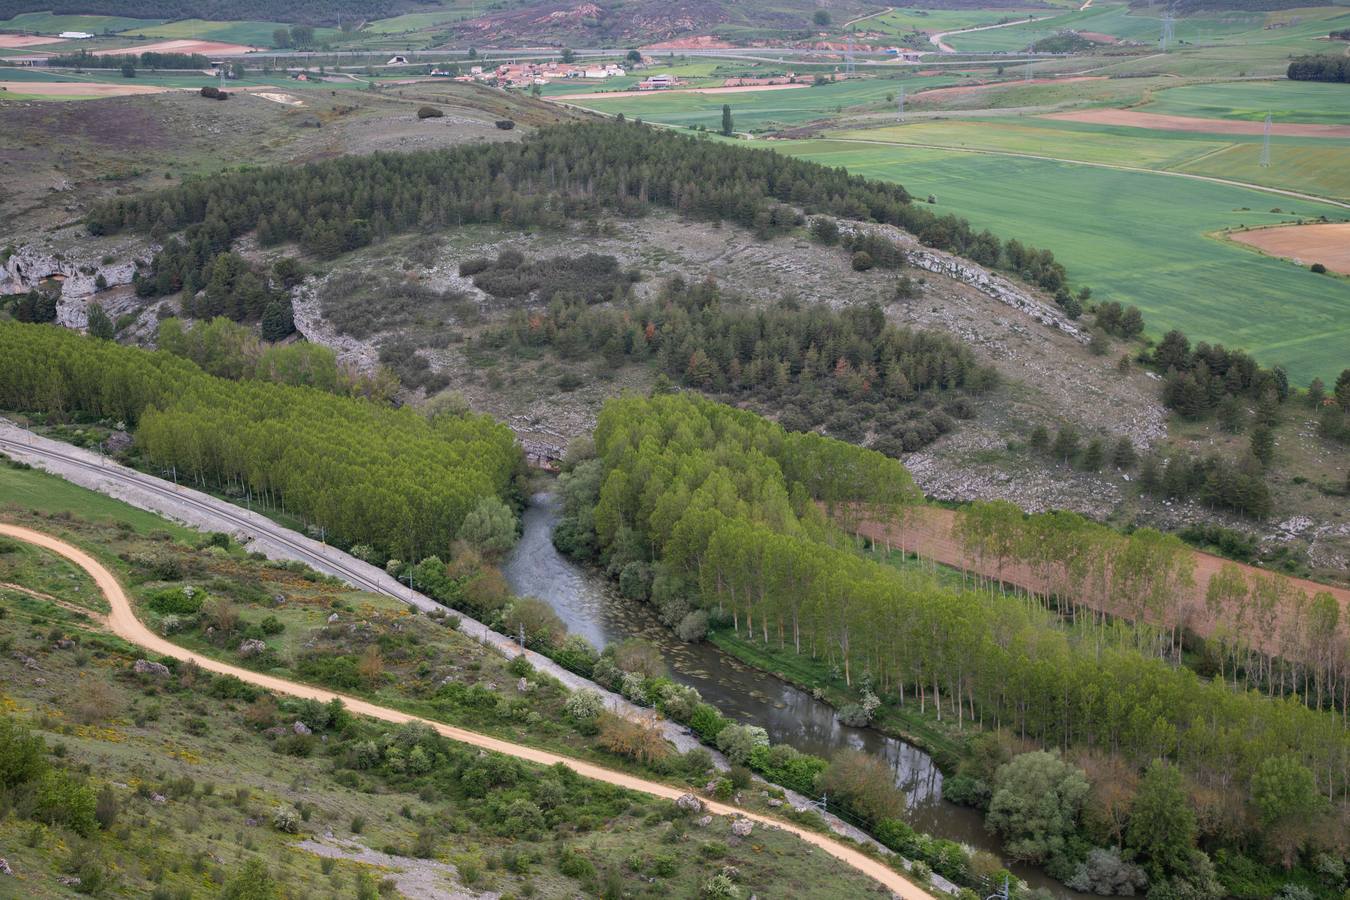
[986, 282]
[689, 803]
[27, 267]
[146, 667]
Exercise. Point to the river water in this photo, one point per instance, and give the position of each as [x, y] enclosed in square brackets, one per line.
[589, 605]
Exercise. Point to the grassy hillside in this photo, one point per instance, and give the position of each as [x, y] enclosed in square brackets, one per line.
[204, 776]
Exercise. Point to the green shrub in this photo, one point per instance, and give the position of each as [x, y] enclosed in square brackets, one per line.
[184, 601]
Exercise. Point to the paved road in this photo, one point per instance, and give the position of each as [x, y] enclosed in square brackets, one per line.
[123, 622]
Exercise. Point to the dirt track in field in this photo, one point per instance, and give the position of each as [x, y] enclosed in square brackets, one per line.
[184, 45]
[928, 531]
[17, 41]
[1158, 122]
[79, 89]
[657, 92]
[123, 622]
[1328, 244]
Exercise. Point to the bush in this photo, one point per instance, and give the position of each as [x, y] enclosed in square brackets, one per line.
[64, 799]
[707, 722]
[505, 124]
[693, 627]
[286, 820]
[862, 261]
[584, 705]
[429, 112]
[574, 865]
[1318, 268]
[184, 601]
[1104, 873]
[490, 527]
[739, 741]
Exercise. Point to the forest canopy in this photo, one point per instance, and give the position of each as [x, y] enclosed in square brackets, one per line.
[559, 174]
[363, 472]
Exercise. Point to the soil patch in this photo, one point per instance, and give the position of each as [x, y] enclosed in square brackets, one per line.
[1157, 122]
[275, 97]
[206, 48]
[91, 89]
[698, 42]
[1328, 244]
[940, 93]
[14, 41]
[656, 93]
[928, 531]
[1098, 37]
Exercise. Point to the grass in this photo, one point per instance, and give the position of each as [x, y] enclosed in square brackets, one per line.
[46, 23]
[1138, 238]
[1284, 101]
[256, 33]
[1145, 27]
[36, 490]
[1320, 166]
[906, 21]
[754, 110]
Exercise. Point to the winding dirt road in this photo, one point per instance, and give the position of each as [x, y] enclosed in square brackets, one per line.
[122, 621]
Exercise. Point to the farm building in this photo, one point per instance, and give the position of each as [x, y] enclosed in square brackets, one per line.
[75, 35]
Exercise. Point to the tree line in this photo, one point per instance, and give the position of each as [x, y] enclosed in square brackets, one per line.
[720, 507]
[847, 370]
[1267, 633]
[360, 471]
[215, 281]
[150, 60]
[557, 175]
[1320, 68]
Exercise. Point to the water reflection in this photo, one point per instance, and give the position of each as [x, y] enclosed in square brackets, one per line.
[590, 606]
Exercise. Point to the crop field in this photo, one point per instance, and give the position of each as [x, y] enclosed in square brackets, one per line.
[762, 109]
[256, 33]
[415, 21]
[1138, 238]
[46, 23]
[1295, 27]
[1315, 165]
[1285, 101]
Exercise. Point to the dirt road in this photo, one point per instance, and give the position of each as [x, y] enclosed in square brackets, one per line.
[940, 40]
[123, 622]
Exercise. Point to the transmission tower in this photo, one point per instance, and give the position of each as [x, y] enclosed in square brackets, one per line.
[1168, 31]
[1265, 144]
[902, 104]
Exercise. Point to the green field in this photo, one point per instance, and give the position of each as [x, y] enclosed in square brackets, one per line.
[1319, 166]
[906, 21]
[763, 109]
[1286, 101]
[255, 33]
[46, 23]
[1297, 29]
[1139, 238]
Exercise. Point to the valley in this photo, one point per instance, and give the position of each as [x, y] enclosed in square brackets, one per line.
[708, 450]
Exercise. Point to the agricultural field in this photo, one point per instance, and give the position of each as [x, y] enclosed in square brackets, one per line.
[1285, 29]
[46, 23]
[757, 110]
[1285, 101]
[258, 34]
[1138, 238]
[899, 22]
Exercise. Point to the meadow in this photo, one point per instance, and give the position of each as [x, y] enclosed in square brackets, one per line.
[1138, 238]
[763, 109]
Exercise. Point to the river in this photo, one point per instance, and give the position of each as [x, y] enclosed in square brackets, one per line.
[589, 605]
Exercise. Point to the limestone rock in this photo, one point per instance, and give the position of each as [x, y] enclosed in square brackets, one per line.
[689, 803]
[742, 827]
[301, 728]
[146, 667]
[252, 647]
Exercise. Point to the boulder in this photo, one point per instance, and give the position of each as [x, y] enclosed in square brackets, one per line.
[146, 667]
[742, 827]
[704, 821]
[5, 869]
[689, 803]
[252, 647]
[300, 728]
